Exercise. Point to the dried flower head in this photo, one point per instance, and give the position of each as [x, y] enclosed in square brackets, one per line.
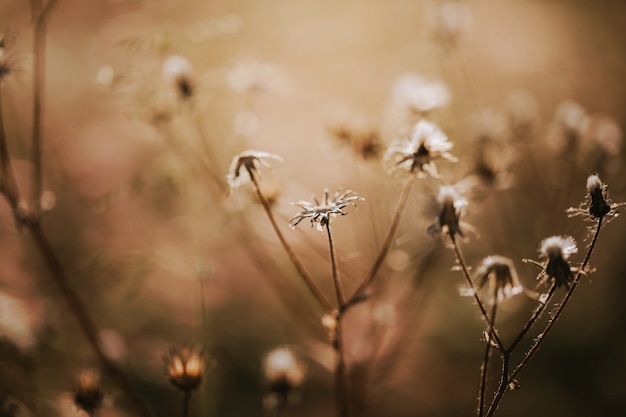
[283, 371]
[364, 142]
[597, 204]
[247, 164]
[450, 208]
[417, 153]
[322, 213]
[178, 72]
[499, 275]
[88, 394]
[555, 252]
[185, 367]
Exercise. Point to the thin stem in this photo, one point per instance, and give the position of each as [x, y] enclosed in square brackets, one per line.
[507, 379]
[468, 278]
[78, 310]
[384, 249]
[341, 377]
[186, 398]
[484, 370]
[319, 296]
[536, 314]
[333, 263]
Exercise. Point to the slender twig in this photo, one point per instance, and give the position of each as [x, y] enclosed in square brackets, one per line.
[341, 376]
[333, 263]
[41, 18]
[484, 369]
[319, 295]
[384, 249]
[507, 378]
[470, 283]
[78, 310]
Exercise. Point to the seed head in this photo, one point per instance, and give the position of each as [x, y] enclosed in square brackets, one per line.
[417, 153]
[246, 164]
[185, 368]
[322, 213]
[498, 273]
[88, 394]
[599, 207]
[555, 252]
[178, 71]
[450, 208]
[283, 371]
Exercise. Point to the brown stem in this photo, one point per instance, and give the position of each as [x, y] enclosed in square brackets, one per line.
[341, 377]
[333, 263]
[186, 399]
[484, 369]
[384, 249]
[319, 296]
[468, 278]
[78, 310]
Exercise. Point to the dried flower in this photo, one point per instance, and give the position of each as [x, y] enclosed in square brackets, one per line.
[417, 153]
[177, 71]
[283, 371]
[185, 368]
[555, 252]
[498, 273]
[450, 208]
[246, 164]
[597, 204]
[88, 394]
[322, 213]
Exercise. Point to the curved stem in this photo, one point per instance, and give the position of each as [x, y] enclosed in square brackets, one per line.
[384, 249]
[484, 370]
[186, 398]
[333, 263]
[468, 278]
[536, 314]
[319, 296]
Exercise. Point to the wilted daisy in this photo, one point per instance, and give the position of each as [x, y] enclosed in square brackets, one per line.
[322, 213]
[247, 163]
[498, 274]
[555, 252]
[88, 393]
[449, 211]
[185, 368]
[417, 153]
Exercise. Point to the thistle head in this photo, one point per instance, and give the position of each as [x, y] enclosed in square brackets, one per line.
[185, 367]
[498, 274]
[555, 252]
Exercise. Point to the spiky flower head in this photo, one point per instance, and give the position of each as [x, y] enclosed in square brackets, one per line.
[88, 393]
[246, 164]
[185, 367]
[322, 213]
[450, 208]
[555, 252]
[599, 207]
[417, 153]
[498, 274]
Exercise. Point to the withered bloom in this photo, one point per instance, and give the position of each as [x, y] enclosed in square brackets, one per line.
[599, 207]
[498, 274]
[555, 252]
[178, 72]
[185, 368]
[450, 208]
[283, 371]
[88, 393]
[247, 163]
[322, 213]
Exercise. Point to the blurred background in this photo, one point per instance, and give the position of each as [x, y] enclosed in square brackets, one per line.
[146, 103]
